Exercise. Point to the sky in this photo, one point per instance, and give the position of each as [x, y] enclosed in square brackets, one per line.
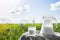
[24, 11]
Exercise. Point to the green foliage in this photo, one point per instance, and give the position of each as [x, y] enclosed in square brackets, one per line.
[14, 31]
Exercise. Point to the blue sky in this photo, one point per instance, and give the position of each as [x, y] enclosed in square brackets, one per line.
[28, 10]
[38, 8]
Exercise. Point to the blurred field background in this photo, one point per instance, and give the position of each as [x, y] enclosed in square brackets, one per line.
[14, 31]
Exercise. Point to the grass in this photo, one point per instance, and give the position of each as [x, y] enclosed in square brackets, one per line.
[14, 31]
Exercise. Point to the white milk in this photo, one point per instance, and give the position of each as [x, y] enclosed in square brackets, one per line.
[32, 31]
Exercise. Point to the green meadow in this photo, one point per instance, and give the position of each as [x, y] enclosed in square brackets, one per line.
[14, 31]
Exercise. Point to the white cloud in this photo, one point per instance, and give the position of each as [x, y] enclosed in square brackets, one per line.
[26, 8]
[12, 9]
[19, 10]
[55, 6]
[5, 5]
